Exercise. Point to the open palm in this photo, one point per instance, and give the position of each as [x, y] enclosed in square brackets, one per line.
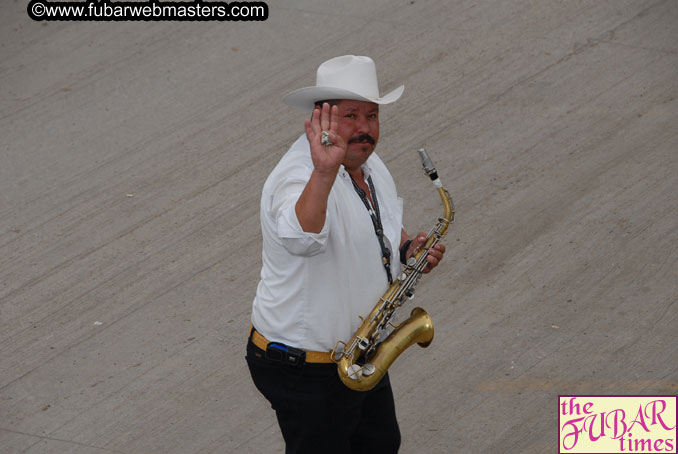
[326, 158]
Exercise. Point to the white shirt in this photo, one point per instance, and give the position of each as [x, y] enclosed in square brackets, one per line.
[315, 286]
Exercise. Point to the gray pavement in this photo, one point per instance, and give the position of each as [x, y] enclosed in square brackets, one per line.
[131, 163]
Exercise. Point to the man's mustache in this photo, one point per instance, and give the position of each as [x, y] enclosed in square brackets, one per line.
[363, 138]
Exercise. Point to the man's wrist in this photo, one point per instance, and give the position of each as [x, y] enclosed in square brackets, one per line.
[403, 250]
[326, 177]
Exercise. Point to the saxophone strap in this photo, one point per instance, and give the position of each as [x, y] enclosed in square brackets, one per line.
[376, 222]
[311, 357]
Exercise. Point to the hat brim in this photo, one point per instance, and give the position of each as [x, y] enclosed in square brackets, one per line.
[305, 98]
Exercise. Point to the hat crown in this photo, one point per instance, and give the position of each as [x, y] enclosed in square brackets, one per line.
[350, 72]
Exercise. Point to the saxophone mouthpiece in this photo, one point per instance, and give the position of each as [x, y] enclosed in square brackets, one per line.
[429, 168]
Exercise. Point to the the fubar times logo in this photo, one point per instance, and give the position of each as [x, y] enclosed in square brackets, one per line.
[617, 424]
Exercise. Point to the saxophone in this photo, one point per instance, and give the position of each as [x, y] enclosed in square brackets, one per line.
[366, 357]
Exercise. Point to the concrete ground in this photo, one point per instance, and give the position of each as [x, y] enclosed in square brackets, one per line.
[131, 164]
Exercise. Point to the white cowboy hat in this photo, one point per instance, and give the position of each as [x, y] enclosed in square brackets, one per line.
[345, 77]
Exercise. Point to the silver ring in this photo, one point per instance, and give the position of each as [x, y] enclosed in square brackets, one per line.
[325, 139]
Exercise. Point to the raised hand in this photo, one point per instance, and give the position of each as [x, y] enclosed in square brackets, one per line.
[326, 158]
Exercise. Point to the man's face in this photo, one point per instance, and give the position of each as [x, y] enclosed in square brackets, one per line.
[359, 127]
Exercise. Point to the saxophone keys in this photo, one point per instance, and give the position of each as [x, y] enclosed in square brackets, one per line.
[354, 372]
[368, 369]
[363, 343]
[339, 350]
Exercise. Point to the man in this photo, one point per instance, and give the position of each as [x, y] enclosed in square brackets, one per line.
[330, 218]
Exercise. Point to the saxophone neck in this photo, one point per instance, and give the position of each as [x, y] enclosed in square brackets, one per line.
[432, 173]
[448, 204]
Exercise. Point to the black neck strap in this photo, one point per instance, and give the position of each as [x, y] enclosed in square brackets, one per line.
[376, 222]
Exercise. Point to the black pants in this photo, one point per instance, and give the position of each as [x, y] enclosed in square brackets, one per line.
[317, 413]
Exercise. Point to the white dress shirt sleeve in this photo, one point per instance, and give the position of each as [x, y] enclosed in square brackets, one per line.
[289, 231]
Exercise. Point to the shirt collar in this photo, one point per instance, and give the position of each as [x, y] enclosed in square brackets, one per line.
[366, 168]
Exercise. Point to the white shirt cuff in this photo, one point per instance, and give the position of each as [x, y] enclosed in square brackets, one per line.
[293, 237]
